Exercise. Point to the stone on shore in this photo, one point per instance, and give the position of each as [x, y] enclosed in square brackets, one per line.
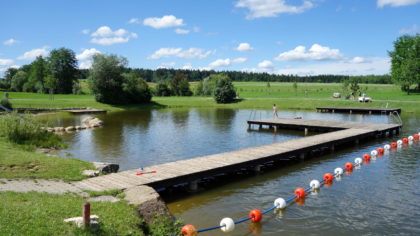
[106, 167]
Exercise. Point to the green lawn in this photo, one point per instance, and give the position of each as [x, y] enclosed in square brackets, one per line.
[44, 214]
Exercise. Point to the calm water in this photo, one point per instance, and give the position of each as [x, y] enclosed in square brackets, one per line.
[382, 197]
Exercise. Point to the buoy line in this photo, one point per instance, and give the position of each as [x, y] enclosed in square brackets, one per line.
[228, 224]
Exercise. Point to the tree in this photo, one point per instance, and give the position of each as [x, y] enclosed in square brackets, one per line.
[50, 84]
[136, 89]
[405, 63]
[354, 85]
[63, 67]
[162, 89]
[106, 78]
[8, 75]
[18, 80]
[37, 74]
[180, 85]
[224, 91]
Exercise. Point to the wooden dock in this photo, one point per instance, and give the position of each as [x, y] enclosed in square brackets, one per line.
[359, 110]
[192, 170]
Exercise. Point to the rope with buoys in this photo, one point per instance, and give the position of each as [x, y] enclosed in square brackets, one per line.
[228, 224]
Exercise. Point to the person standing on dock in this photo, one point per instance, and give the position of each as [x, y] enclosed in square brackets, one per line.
[275, 109]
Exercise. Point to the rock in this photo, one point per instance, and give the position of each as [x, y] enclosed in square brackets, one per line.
[90, 173]
[59, 129]
[83, 127]
[147, 201]
[87, 120]
[50, 129]
[92, 122]
[106, 167]
[77, 127]
[70, 128]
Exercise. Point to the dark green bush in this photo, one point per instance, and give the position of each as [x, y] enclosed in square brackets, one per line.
[162, 90]
[224, 91]
[136, 90]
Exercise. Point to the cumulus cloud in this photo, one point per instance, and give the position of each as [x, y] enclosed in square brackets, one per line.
[134, 21]
[357, 60]
[10, 42]
[187, 66]
[316, 52]
[85, 58]
[181, 31]
[271, 8]
[413, 30]
[180, 53]
[32, 54]
[266, 64]
[396, 3]
[6, 62]
[105, 36]
[226, 62]
[242, 47]
[163, 22]
[240, 60]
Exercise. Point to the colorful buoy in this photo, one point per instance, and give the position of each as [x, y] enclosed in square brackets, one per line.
[399, 142]
[256, 215]
[328, 177]
[188, 230]
[338, 171]
[366, 156]
[280, 203]
[394, 144]
[374, 153]
[405, 140]
[348, 166]
[314, 184]
[228, 225]
[300, 192]
[358, 161]
[380, 150]
[416, 136]
[410, 138]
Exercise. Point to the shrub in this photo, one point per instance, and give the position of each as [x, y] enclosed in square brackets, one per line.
[162, 89]
[224, 91]
[6, 103]
[136, 89]
[23, 129]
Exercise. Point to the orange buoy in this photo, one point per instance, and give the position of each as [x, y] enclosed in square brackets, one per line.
[348, 166]
[366, 157]
[405, 140]
[393, 144]
[188, 230]
[416, 136]
[300, 192]
[380, 150]
[256, 215]
[328, 177]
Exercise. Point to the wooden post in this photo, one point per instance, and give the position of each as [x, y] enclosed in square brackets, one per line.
[350, 111]
[275, 128]
[86, 215]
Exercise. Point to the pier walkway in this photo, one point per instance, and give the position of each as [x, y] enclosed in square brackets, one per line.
[192, 170]
[369, 110]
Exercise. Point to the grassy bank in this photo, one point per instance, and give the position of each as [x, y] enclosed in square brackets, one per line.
[43, 214]
[255, 95]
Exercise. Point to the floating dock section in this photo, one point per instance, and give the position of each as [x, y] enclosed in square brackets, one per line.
[191, 171]
[359, 110]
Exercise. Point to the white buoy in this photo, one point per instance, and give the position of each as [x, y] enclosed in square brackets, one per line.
[410, 138]
[280, 203]
[228, 225]
[338, 171]
[387, 147]
[358, 161]
[374, 153]
[314, 184]
[399, 142]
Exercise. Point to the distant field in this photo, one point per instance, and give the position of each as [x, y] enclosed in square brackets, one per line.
[255, 95]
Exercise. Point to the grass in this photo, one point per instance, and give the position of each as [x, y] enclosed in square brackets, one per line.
[16, 161]
[43, 214]
[114, 192]
[256, 95]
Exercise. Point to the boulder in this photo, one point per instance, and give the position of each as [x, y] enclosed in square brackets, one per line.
[106, 167]
[70, 128]
[59, 129]
[77, 127]
[147, 201]
[90, 173]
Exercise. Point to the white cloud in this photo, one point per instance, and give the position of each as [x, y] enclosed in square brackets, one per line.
[357, 60]
[86, 31]
[266, 64]
[105, 36]
[180, 53]
[240, 60]
[316, 52]
[413, 30]
[181, 31]
[271, 8]
[31, 55]
[10, 42]
[167, 65]
[396, 3]
[242, 47]
[85, 58]
[164, 22]
[187, 66]
[6, 62]
[134, 21]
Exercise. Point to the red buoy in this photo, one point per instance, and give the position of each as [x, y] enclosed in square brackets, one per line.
[405, 140]
[256, 215]
[416, 136]
[348, 166]
[300, 192]
[380, 150]
[328, 177]
[393, 144]
[188, 230]
[366, 157]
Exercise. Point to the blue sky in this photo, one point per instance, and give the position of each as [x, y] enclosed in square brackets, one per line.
[304, 37]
